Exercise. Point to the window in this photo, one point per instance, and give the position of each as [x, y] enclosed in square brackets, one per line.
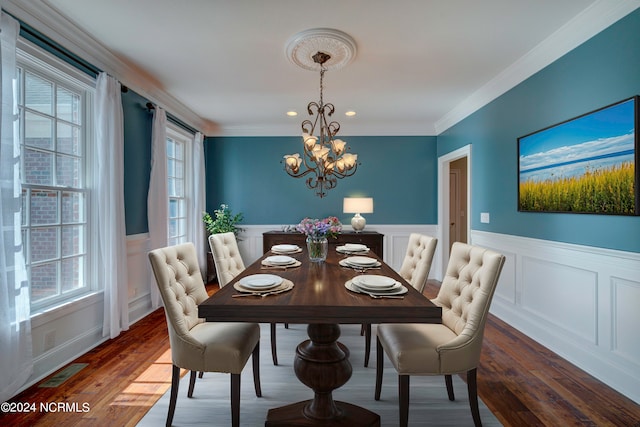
[178, 155]
[54, 119]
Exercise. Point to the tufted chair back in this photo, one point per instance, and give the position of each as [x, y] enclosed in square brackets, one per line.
[178, 277]
[226, 257]
[465, 296]
[417, 261]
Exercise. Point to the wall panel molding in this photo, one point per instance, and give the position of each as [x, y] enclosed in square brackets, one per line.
[579, 301]
[396, 238]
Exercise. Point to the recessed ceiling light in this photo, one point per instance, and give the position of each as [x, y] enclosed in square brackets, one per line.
[350, 113]
[292, 113]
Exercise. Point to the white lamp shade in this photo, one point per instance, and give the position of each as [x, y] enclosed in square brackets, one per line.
[358, 205]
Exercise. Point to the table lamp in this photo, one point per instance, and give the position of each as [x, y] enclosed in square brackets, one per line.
[357, 206]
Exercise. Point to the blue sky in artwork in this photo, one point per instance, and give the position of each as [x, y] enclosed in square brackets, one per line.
[597, 140]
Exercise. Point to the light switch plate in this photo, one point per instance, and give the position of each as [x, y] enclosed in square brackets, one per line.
[484, 217]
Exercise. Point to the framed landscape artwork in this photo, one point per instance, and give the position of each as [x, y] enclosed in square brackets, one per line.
[588, 164]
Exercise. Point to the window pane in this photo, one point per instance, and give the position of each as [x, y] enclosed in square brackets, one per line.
[171, 168]
[170, 147]
[68, 171]
[25, 194]
[179, 154]
[171, 187]
[72, 240]
[72, 273]
[68, 106]
[38, 167]
[68, 139]
[173, 227]
[44, 280]
[173, 208]
[44, 244]
[38, 94]
[44, 207]
[72, 207]
[38, 131]
[178, 187]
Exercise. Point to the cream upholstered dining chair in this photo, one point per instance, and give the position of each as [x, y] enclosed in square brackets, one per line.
[454, 346]
[414, 269]
[228, 262]
[197, 345]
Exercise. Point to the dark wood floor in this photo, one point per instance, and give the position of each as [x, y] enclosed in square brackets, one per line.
[523, 383]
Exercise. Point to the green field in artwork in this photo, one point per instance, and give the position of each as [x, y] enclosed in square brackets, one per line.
[603, 191]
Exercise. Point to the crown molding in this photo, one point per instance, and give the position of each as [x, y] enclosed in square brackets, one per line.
[50, 22]
[595, 18]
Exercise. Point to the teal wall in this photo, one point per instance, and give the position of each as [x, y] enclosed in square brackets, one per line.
[137, 161]
[398, 172]
[604, 70]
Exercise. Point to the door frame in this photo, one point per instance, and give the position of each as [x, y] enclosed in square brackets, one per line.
[444, 163]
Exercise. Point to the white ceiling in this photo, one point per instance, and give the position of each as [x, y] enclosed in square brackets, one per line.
[420, 66]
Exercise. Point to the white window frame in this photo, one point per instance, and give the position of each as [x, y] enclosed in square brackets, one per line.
[39, 62]
[180, 136]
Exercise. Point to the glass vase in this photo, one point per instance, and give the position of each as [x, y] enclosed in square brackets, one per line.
[317, 247]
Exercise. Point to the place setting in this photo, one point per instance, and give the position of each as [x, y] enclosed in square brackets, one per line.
[280, 262]
[285, 249]
[360, 263]
[261, 285]
[376, 286]
[352, 249]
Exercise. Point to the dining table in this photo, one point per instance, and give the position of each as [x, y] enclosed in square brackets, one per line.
[321, 297]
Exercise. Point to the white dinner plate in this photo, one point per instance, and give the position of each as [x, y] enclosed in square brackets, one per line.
[345, 263]
[374, 281]
[361, 261]
[261, 281]
[400, 290]
[355, 247]
[344, 250]
[285, 248]
[279, 260]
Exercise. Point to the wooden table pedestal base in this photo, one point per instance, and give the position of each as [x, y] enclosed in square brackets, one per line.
[322, 364]
[293, 416]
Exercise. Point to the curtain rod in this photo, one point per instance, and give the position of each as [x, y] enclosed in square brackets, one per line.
[40, 39]
[173, 119]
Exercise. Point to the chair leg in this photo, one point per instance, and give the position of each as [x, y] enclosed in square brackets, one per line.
[286, 326]
[403, 395]
[362, 329]
[201, 374]
[255, 358]
[192, 383]
[274, 352]
[235, 400]
[448, 379]
[379, 368]
[367, 343]
[175, 382]
[472, 386]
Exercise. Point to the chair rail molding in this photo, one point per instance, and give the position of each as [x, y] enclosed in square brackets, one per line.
[579, 301]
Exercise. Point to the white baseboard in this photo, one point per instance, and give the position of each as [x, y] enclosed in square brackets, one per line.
[579, 301]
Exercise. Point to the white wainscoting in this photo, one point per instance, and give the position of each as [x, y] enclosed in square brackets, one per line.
[396, 238]
[579, 301]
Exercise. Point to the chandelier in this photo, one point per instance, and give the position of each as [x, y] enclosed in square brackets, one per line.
[325, 158]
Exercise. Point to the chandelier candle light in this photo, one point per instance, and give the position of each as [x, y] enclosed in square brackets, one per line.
[325, 159]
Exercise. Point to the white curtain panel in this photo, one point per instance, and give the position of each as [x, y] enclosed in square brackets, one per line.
[198, 203]
[158, 196]
[16, 360]
[109, 192]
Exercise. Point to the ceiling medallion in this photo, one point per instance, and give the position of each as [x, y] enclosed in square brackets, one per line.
[324, 158]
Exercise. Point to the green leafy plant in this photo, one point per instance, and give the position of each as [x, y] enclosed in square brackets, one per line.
[223, 221]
